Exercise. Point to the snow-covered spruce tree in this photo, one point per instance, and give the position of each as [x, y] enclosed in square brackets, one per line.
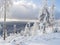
[34, 29]
[14, 31]
[42, 17]
[44, 20]
[5, 4]
[27, 29]
[45, 17]
[52, 16]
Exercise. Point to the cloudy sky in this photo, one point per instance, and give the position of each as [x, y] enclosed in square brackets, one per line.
[29, 9]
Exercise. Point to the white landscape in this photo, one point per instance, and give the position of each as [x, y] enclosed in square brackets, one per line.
[43, 39]
[44, 31]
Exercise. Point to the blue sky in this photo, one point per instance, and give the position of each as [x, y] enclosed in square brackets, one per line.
[58, 4]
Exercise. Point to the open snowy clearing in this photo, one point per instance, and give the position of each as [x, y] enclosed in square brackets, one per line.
[44, 39]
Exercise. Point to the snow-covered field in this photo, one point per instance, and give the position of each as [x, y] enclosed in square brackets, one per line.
[44, 39]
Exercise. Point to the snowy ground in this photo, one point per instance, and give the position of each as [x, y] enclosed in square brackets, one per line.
[44, 39]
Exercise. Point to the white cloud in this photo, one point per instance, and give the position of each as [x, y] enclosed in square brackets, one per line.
[23, 9]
